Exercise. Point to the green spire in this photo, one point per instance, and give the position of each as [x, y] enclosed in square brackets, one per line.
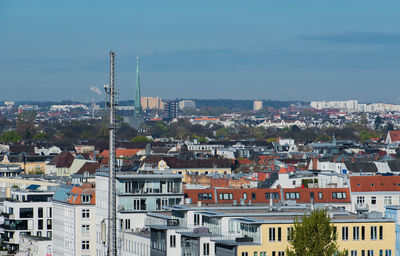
[138, 107]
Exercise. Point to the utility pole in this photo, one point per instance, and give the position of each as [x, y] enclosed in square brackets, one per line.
[112, 209]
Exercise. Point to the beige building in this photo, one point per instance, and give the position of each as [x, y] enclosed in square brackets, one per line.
[151, 103]
[257, 105]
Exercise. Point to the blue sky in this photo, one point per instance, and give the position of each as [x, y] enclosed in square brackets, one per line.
[283, 50]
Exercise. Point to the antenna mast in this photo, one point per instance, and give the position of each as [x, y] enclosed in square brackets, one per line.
[112, 211]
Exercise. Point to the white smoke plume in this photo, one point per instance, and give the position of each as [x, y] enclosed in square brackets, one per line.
[95, 89]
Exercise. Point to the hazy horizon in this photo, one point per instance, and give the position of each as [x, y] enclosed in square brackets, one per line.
[297, 51]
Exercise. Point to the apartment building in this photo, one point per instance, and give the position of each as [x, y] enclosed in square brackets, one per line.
[74, 221]
[261, 230]
[138, 192]
[26, 212]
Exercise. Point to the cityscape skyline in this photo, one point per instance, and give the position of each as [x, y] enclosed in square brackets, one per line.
[185, 55]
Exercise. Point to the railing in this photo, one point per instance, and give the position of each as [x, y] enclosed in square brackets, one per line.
[362, 207]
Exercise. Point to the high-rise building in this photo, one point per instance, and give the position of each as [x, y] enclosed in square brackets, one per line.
[171, 109]
[151, 103]
[257, 105]
[187, 105]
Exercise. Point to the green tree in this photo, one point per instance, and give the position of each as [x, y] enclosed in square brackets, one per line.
[222, 133]
[323, 138]
[10, 136]
[314, 235]
[40, 136]
[140, 138]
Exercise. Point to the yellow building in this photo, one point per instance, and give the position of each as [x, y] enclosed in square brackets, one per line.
[359, 236]
[30, 164]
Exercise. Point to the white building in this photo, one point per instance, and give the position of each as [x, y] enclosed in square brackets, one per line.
[26, 212]
[74, 221]
[187, 105]
[257, 105]
[35, 246]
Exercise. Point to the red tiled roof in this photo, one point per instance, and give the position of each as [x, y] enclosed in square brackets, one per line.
[77, 192]
[374, 183]
[394, 135]
[121, 152]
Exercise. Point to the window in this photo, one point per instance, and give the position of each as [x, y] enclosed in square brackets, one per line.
[26, 212]
[373, 232]
[281, 253]
[353, 253]
[360, 200]
[320, 195]
[49, 234]
[85, 213]
[206, 249]
[85, 198]
[279, 234]
[39, 233]
[245, 254]
[245, 196]
[40, 212]
[271, 234]
[339, 195]
[205, 196]
[289, 233]
[362, 252]
[388, 252]
[387, 200]
[172, 241]
[196, 219]
[370, 253]
[127, 224]
[380, 232]
[49, 224]
[373, 200]
[40, 224]
[85, 245]
[356, 233]
[363, 233]
[226, 196]
[85, 229]
[271, 196]
[292, 195]
[49, 212]
[253, 196]
[263, 253]
[345, 233]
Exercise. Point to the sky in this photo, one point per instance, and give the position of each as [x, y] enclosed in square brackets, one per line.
[279, 50]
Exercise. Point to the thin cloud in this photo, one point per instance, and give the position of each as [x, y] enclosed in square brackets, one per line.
[353, 37]
[95, 89]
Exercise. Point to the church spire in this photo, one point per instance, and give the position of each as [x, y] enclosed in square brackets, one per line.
[138, 107]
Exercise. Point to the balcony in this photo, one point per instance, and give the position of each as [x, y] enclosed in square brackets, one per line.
[362, 207]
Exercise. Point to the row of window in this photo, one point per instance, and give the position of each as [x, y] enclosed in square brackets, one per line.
[289, 195]
[370, 253]
[387, 200]
[281, 253]
[356, 233]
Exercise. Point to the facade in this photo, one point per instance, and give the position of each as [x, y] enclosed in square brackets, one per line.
[171, 109]
[35, 246]
[26, 212]
[187, 105]
[257, 105]
[261, 230]
[374, 193]
[74, 232]
[151, 103]
[138, 192]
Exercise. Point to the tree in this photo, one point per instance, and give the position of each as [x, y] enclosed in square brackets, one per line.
[314, 235]
[10, 136]
[140, 138]
[378, 122]
[40, 136]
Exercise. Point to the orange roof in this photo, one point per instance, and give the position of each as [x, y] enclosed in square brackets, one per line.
[244, 161]
[374, 183]
[394, 135]
[77, 192]
[206, 118]
[121, 152]
[283, 170]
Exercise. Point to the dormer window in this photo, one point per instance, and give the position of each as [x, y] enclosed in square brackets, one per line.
[85, 198]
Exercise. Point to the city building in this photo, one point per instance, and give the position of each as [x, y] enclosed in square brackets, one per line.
[171, 109]
[257, 105]
[27, 212]
[74, 226]
[35, 245]
[187, 105]
[138, 192]
[151, 103]
[393, 213]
